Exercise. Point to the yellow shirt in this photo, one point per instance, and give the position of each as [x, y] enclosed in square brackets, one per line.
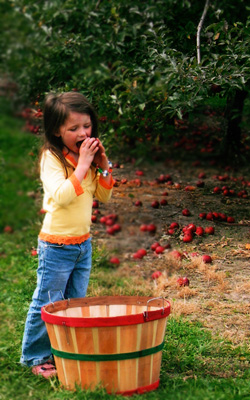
[68, 202]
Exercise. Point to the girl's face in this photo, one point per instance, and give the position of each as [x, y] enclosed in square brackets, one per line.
[75, 130]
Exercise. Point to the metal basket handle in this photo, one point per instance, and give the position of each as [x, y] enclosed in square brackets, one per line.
[155, 298]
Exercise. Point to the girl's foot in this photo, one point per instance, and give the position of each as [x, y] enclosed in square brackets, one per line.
[47, 370]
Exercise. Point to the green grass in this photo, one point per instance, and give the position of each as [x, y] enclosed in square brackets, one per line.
[195, 365]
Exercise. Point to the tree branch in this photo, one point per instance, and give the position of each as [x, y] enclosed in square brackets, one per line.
[199, 31]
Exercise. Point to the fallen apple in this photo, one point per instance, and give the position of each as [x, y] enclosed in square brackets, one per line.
[209, 230]
[185, 212]
[156, 274]
[206, 259]
[159, 249]
[114, 260]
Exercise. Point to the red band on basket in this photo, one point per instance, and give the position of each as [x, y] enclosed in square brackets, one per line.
[105, 321]
[141, 390]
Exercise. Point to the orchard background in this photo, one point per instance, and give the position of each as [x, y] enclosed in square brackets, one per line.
[177, 131]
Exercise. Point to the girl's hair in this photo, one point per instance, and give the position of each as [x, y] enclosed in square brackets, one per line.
[56, 110]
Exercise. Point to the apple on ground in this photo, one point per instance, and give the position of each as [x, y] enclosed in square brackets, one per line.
[114, 260]
[185, 212]
[156, 274]
[209, 230]
[155, 204]
[8, 229]
[206, 259]
[95, 204]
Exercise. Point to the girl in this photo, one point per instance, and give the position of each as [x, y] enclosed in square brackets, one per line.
[70, 181]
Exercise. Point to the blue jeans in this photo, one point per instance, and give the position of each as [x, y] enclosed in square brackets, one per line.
[63, 268]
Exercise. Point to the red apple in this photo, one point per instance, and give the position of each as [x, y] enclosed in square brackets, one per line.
[95, 204]
[138, 203]
[156, 274]
[139, 173]
[143, 252]
[117, 227]
[163, 202]
[185, 281]
[191, 227]
[143, 228]
[209, 216]
[174, 225]
[206, 259]
[199, 231]
[103, 220]
[114, 260]
[188, 237]
[8, 229]
[151, 228]
[94, 218]
[155, 204]
[154, 246]
[159, 249]
[110, 230]
[185, 212]
[171, 232]
[209, 230]
[217, 189]
[33, 252]
[42, 211]
[180, 281]
[231, 220]
[176, 254]
[203, 215]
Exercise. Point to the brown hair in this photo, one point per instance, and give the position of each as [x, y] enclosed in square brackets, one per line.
[56, 110]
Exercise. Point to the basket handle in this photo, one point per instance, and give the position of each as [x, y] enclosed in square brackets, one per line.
[155, 298]
[55, 290]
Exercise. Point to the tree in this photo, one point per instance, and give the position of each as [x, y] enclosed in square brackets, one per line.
[135, 60]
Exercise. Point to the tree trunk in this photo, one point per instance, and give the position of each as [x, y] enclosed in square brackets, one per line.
[233, 115]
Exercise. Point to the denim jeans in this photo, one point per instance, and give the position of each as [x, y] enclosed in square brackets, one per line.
[62, 268]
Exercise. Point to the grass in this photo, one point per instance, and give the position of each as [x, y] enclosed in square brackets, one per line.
[195, 364]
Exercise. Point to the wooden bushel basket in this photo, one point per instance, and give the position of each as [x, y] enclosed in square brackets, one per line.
[115, 342]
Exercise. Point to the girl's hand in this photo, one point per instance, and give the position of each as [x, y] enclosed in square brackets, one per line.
[87, 151]
[100, 157]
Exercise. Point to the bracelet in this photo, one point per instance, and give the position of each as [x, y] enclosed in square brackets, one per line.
[106, 172]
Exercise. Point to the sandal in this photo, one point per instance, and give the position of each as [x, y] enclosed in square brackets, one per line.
[47, 370]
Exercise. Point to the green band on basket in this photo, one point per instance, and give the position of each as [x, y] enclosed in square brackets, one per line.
[107, 357]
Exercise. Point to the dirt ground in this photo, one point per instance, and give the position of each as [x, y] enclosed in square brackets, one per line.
[218, 294]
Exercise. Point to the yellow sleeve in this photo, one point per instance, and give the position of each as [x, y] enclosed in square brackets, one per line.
[103, 190]
[63, 191]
